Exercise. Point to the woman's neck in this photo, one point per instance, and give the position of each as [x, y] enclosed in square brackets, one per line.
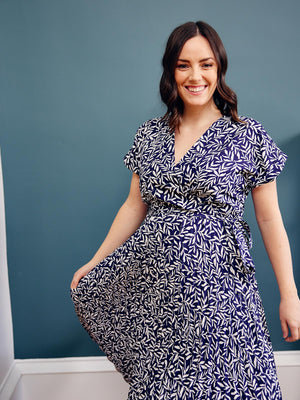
[195, 116]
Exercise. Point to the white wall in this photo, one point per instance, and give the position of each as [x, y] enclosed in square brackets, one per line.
[6, 331]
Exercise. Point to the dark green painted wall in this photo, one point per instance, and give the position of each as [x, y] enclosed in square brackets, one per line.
[77, 77]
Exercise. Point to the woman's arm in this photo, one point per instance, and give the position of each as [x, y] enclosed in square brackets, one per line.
[128, 219]
[271, 226]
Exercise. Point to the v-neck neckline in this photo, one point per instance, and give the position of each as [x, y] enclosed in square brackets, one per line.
[200, 138]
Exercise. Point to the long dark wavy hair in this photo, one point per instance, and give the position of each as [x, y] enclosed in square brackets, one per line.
[224, 97]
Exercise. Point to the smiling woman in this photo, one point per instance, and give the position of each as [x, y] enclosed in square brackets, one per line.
[190, 37]
[196, 74]
[171, 295]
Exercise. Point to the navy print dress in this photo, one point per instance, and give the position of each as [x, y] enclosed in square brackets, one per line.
[176, 307]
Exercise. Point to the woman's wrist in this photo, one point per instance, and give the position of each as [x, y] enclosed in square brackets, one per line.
[93, 262]
[289, 294]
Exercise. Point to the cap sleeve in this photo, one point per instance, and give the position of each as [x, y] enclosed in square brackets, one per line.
[132, 158]
[268, 160]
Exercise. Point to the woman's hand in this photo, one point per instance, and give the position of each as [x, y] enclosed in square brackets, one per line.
[289, 313]
[80, 273]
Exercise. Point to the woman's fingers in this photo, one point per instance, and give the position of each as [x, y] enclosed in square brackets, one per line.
[295, 334]
[289, 310]
[80, 273]
[74, 283]
[76, 278]
[285, 329]
[294, 331]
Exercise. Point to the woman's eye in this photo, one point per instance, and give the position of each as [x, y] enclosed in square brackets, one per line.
[207, 65]
[182, 66]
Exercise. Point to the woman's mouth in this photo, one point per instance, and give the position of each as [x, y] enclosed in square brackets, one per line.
[196, 89]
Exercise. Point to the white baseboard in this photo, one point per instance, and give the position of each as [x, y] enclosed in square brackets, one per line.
[64, 365]
[92, 364]
[37, 366]
[101, 364]
[287, 358]
[10, 382]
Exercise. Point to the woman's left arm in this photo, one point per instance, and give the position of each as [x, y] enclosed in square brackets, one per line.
[276, 242]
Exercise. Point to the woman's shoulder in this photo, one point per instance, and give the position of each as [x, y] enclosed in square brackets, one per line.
[251, 123]
[250, 127]
[254, 133]
[151, 128]
[154, 123]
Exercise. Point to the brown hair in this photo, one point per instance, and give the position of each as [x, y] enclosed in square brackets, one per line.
[224, 98]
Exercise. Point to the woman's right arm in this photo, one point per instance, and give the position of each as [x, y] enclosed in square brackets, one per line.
[127, 221]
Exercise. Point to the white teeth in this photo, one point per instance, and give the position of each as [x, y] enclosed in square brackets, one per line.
[196, 89]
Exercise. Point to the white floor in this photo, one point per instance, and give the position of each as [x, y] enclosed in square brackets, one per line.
[289, 378]
[74, 386]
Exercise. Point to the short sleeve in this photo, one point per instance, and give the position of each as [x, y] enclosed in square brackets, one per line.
[268, 160]
[132, 158]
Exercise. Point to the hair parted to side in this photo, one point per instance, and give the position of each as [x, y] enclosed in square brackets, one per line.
[224, 98]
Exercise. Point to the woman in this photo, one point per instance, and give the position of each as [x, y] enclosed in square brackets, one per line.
[171, 295]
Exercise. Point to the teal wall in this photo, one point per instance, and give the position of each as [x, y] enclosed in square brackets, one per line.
[77, 77]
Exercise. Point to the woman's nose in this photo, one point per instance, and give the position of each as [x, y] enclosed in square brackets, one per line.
[196, 74]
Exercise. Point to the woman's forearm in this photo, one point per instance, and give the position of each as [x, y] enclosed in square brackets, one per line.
[126, 222]
[128, 219]
[278, 249]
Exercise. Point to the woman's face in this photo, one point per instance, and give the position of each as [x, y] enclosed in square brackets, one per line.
[196, 73]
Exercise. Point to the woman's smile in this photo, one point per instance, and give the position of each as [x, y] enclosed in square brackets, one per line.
[196, 90]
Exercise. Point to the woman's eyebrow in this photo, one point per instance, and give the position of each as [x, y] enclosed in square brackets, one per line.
[203, 59]
[206, 59]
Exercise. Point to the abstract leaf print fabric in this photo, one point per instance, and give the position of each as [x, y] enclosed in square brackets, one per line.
[176, 307]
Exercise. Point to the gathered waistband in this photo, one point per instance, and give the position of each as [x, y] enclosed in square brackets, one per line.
[239, 228]
[206, 210]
